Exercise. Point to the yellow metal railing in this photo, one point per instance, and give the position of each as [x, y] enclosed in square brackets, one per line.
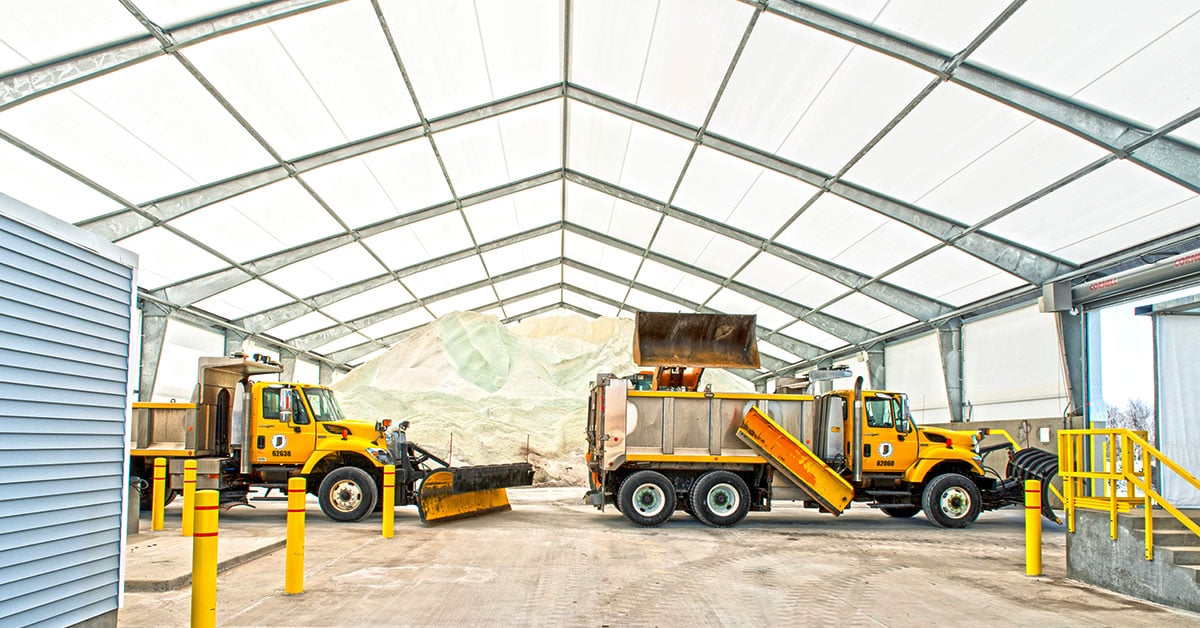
[1094, 482]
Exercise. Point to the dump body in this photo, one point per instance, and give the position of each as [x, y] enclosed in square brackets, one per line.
[246, 434]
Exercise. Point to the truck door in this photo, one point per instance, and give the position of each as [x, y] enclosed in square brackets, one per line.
[286, 432]
[889, 444]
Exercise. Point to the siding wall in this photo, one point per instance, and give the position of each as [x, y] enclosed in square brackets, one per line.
[65, 309]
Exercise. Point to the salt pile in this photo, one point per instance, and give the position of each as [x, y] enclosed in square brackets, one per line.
[493, 386]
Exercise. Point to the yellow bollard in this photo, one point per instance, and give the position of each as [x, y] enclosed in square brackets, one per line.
[1033, 528]
[204, 560]
[189, 495]
[293, 571]
[159, 495]
[389, 501]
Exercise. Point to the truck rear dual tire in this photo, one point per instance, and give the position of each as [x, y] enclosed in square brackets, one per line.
[951, 500]
[347, 494]
[647, 498]
[720, 499]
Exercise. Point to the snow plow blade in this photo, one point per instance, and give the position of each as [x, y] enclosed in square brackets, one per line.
[1035, 464]
[697, 340]
[469, 491]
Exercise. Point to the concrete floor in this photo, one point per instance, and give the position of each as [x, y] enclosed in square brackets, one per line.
[554, 562]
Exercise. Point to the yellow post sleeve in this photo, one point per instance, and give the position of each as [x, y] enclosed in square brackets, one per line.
[159, 494]
[1033, 528]
[204, 560]
[189, 495]
[389, 501]
[293, 574]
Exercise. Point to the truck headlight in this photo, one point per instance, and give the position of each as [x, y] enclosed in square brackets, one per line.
[382, 455]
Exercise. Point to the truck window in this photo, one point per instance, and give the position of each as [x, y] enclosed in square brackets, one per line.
[879, 413]
[324, 405]
[270, 402]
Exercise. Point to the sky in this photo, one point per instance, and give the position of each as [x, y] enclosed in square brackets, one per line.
[1127, 351]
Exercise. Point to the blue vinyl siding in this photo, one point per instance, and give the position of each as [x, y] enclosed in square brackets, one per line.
[64, 347]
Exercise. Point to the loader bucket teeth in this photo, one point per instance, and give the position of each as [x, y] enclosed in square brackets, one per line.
[1035, 464]
[697, 340]
[469, 491]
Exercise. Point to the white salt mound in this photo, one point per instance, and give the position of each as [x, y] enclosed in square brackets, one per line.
[490, 387]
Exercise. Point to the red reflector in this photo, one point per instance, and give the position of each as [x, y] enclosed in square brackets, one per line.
[344, 432]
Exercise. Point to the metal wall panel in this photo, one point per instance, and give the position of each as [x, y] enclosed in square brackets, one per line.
[65, 320]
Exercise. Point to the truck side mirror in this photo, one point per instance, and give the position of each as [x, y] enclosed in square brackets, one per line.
[902, 425]
[285, 416]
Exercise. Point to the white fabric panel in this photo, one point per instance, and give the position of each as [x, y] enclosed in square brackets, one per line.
[596, 285]
[732, 302]
[303, 325]
[812, 335]
[601, 256]
[464, 302]
[1134, 58]
[914, 367]
[528, 282]
[587, 303]
[646, 302]
[951, 127]
[41, 31]
[166, 258]
[446, 277]
[619, 151]
[676, 282]
[306, 371]
[396, 324]
[952, 276]
[38, 185]
[1096, 214]
[853, 236]
[523, 254]
[169, 13]
[700, 247]
[344, 342]
[1012, 368]
[183, 346]
[260, 222]
[499, 150]
[525, 210]
[359, 362]
[324, 272]
[1178, 369]
[792, 282]
[518, 309]
[374, 300]
[421, 241]
[946, 24]
[383, 184]
[863, 310]
[610, 215]
[736, 192]
[243, 300]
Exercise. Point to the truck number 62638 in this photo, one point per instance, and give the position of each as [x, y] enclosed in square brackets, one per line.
[283, 453]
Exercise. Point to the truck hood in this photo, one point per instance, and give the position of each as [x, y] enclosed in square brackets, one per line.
[354, 429]
[953, 438]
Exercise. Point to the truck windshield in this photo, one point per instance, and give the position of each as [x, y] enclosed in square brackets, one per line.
[324, 405]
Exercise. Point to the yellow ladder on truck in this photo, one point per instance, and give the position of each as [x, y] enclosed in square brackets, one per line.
[795, 461]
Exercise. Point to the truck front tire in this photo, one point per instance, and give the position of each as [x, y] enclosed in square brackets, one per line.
[647, 498]
[720, 499]
[347, 494]
[951, 500]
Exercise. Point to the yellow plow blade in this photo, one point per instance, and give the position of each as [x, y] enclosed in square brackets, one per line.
[469, 491]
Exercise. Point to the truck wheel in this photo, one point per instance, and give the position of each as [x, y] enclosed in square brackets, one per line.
[347, 494]
[951, 500]
[647, 498]
[900, 512]
[720, 498]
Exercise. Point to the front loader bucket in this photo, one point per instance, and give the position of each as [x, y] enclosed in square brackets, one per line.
[1035, 464]
[464, 492]
[708, 340]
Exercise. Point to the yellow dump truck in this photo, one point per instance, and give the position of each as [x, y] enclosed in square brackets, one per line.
[244, 433]
[657, 444]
